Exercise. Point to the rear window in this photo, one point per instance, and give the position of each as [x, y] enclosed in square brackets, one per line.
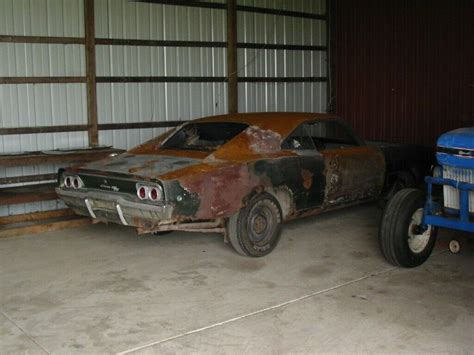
[205, 136]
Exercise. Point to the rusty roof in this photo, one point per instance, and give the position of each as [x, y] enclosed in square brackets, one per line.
[263, 138]
[280, 122]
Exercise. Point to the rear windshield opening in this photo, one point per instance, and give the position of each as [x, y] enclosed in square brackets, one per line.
[204, 136]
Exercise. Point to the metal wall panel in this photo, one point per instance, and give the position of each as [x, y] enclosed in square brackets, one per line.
[307, 6]
[136, 102]
[274, 29]
[404, 69]
[42, 18]
[40, 104]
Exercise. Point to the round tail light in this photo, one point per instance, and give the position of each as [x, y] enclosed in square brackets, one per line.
[141, 193]
[76, 183]
[155, 194]
[68, 182]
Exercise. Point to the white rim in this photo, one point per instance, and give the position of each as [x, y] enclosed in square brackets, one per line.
[418, 242]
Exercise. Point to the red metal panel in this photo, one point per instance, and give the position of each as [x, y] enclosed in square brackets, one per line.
[404, 68]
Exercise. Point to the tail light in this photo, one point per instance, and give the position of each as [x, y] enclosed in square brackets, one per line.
[150, 192]
[155, 194]
[73, 182]
[142, 192]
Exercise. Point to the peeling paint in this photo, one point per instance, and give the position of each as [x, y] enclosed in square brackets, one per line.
[307, 178]
[263, 140]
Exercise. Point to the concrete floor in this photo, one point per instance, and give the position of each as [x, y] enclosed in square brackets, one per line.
[326, 288]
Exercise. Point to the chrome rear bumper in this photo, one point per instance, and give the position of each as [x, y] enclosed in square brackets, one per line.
[114, 207]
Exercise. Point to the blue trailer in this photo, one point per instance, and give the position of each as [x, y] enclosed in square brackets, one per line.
[411, 219]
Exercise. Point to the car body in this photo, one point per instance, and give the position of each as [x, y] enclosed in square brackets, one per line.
[210, 174]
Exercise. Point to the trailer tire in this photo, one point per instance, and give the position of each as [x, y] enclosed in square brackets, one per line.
[255, 230]
[400, 242]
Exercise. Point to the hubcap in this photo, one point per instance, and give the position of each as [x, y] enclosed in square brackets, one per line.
[260, 224]
[417, 241]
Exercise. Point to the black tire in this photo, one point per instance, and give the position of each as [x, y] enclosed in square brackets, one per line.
[394, 230]
[255, 230]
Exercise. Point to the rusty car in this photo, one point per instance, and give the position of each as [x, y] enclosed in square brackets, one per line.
[242, 175]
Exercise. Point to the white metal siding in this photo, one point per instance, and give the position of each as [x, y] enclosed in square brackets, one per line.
[274, 29]
[60, 104]
[40, 104]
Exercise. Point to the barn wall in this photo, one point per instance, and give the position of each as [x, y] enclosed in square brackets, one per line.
[137, 102]
[404, 68]
[30, 105]
[274, 29]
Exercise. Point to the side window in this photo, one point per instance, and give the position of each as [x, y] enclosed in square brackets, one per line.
[299, 139]
[330, 135]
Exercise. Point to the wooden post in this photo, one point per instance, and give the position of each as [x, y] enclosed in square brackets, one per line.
[89, 26]
[232, 76]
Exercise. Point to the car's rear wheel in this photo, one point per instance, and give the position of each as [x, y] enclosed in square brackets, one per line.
[255, 230]
[402, 239]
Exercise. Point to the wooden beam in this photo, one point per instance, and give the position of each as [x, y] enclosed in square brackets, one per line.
[232, 75]
[27, 194]
[136, 125]
[331, 57]
[161, 79]
[56, 157]
[42, 80]
[89, 25]
[42, 129]
[41, 39]
[158, 43]
[77, 128]
[44, 227]
[280, 12]
[294, 79]
[35, 216]
[27, 178]
[288, 47]
[203, 44]
[188, 3]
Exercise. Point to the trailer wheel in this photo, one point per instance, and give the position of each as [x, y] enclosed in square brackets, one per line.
[401, 239]
[454, 246]
[255, 229]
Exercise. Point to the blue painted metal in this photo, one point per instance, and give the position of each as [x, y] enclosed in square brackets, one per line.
[462, 138]
[433, 212]
[460, 144]
[458, 161]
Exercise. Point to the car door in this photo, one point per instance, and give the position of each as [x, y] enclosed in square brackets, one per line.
[307, 176]
[353, 170]
[335, 167]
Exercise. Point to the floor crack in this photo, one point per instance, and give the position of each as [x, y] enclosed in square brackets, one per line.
[260, 311]
[24, 332]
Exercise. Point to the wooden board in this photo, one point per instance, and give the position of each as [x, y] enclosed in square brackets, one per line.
[56, 157]
[16, 230]
[35, 216]
[27, 194]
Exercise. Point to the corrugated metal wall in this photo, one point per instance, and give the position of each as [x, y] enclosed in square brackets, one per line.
[29, 105]
[404, 68]
[274, 29]
[136, 102]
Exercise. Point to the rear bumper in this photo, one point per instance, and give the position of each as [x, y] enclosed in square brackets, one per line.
[116, 208]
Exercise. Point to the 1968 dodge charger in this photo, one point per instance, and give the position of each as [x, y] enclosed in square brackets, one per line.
[242, 175]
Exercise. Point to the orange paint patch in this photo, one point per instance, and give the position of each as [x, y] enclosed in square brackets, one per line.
[307, 178]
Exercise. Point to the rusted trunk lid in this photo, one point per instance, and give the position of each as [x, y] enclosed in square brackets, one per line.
[142, 165]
